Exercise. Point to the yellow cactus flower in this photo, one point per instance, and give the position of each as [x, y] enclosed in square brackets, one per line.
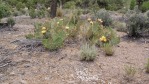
[91, 22]
[66, 27]
[43, 31]
[43, 28]
[103, 39]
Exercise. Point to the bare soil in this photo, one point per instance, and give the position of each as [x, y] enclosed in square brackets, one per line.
[21, 64]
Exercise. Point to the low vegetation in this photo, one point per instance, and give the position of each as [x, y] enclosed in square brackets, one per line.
[109, 50]
[91, 24]
[129, 73]
[11, 22]
[88, 52]
[147, 66]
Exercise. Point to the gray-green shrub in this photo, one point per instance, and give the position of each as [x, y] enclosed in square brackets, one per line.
[137, 24]
[105, 16]
[87, 52]
[11, 22]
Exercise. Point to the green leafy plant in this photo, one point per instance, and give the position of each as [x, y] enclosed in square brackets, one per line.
[145, 6]
[40, 13]
[11, 22]
[70, 4]
[20, 5]
[52, 33]
[147, 66]
[111, 4]
[87, 52]
[132, 4]
[12, 2]
[4, 10]
[55, 42]
[32, 13]
[24, 11]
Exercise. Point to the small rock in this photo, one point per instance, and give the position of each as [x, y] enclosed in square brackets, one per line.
[26, 65]
[47, 78]
[12, 73]
[23, 82]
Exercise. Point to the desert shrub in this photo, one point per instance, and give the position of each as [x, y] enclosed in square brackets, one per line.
[111, 4]
[147, 13]
[4, 10]
[24, 11]
[108, 49]
[147, 66]
[129, 72]
[70, 4]
[52, 33]
[145, 6]
[136, 24]
[92, 31]
[55, 35]
[11, 22]
[108, 40]
[87, 52]
[32, 13]
[30, 4]
[132, 4]
[15, 13]
[55, 42]
[12, 2]
[120, 26]
[40, 13]
[20, 5]
[110, 36]
[105, 16]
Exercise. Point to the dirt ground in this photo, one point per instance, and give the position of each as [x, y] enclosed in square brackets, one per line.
[21, 64]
